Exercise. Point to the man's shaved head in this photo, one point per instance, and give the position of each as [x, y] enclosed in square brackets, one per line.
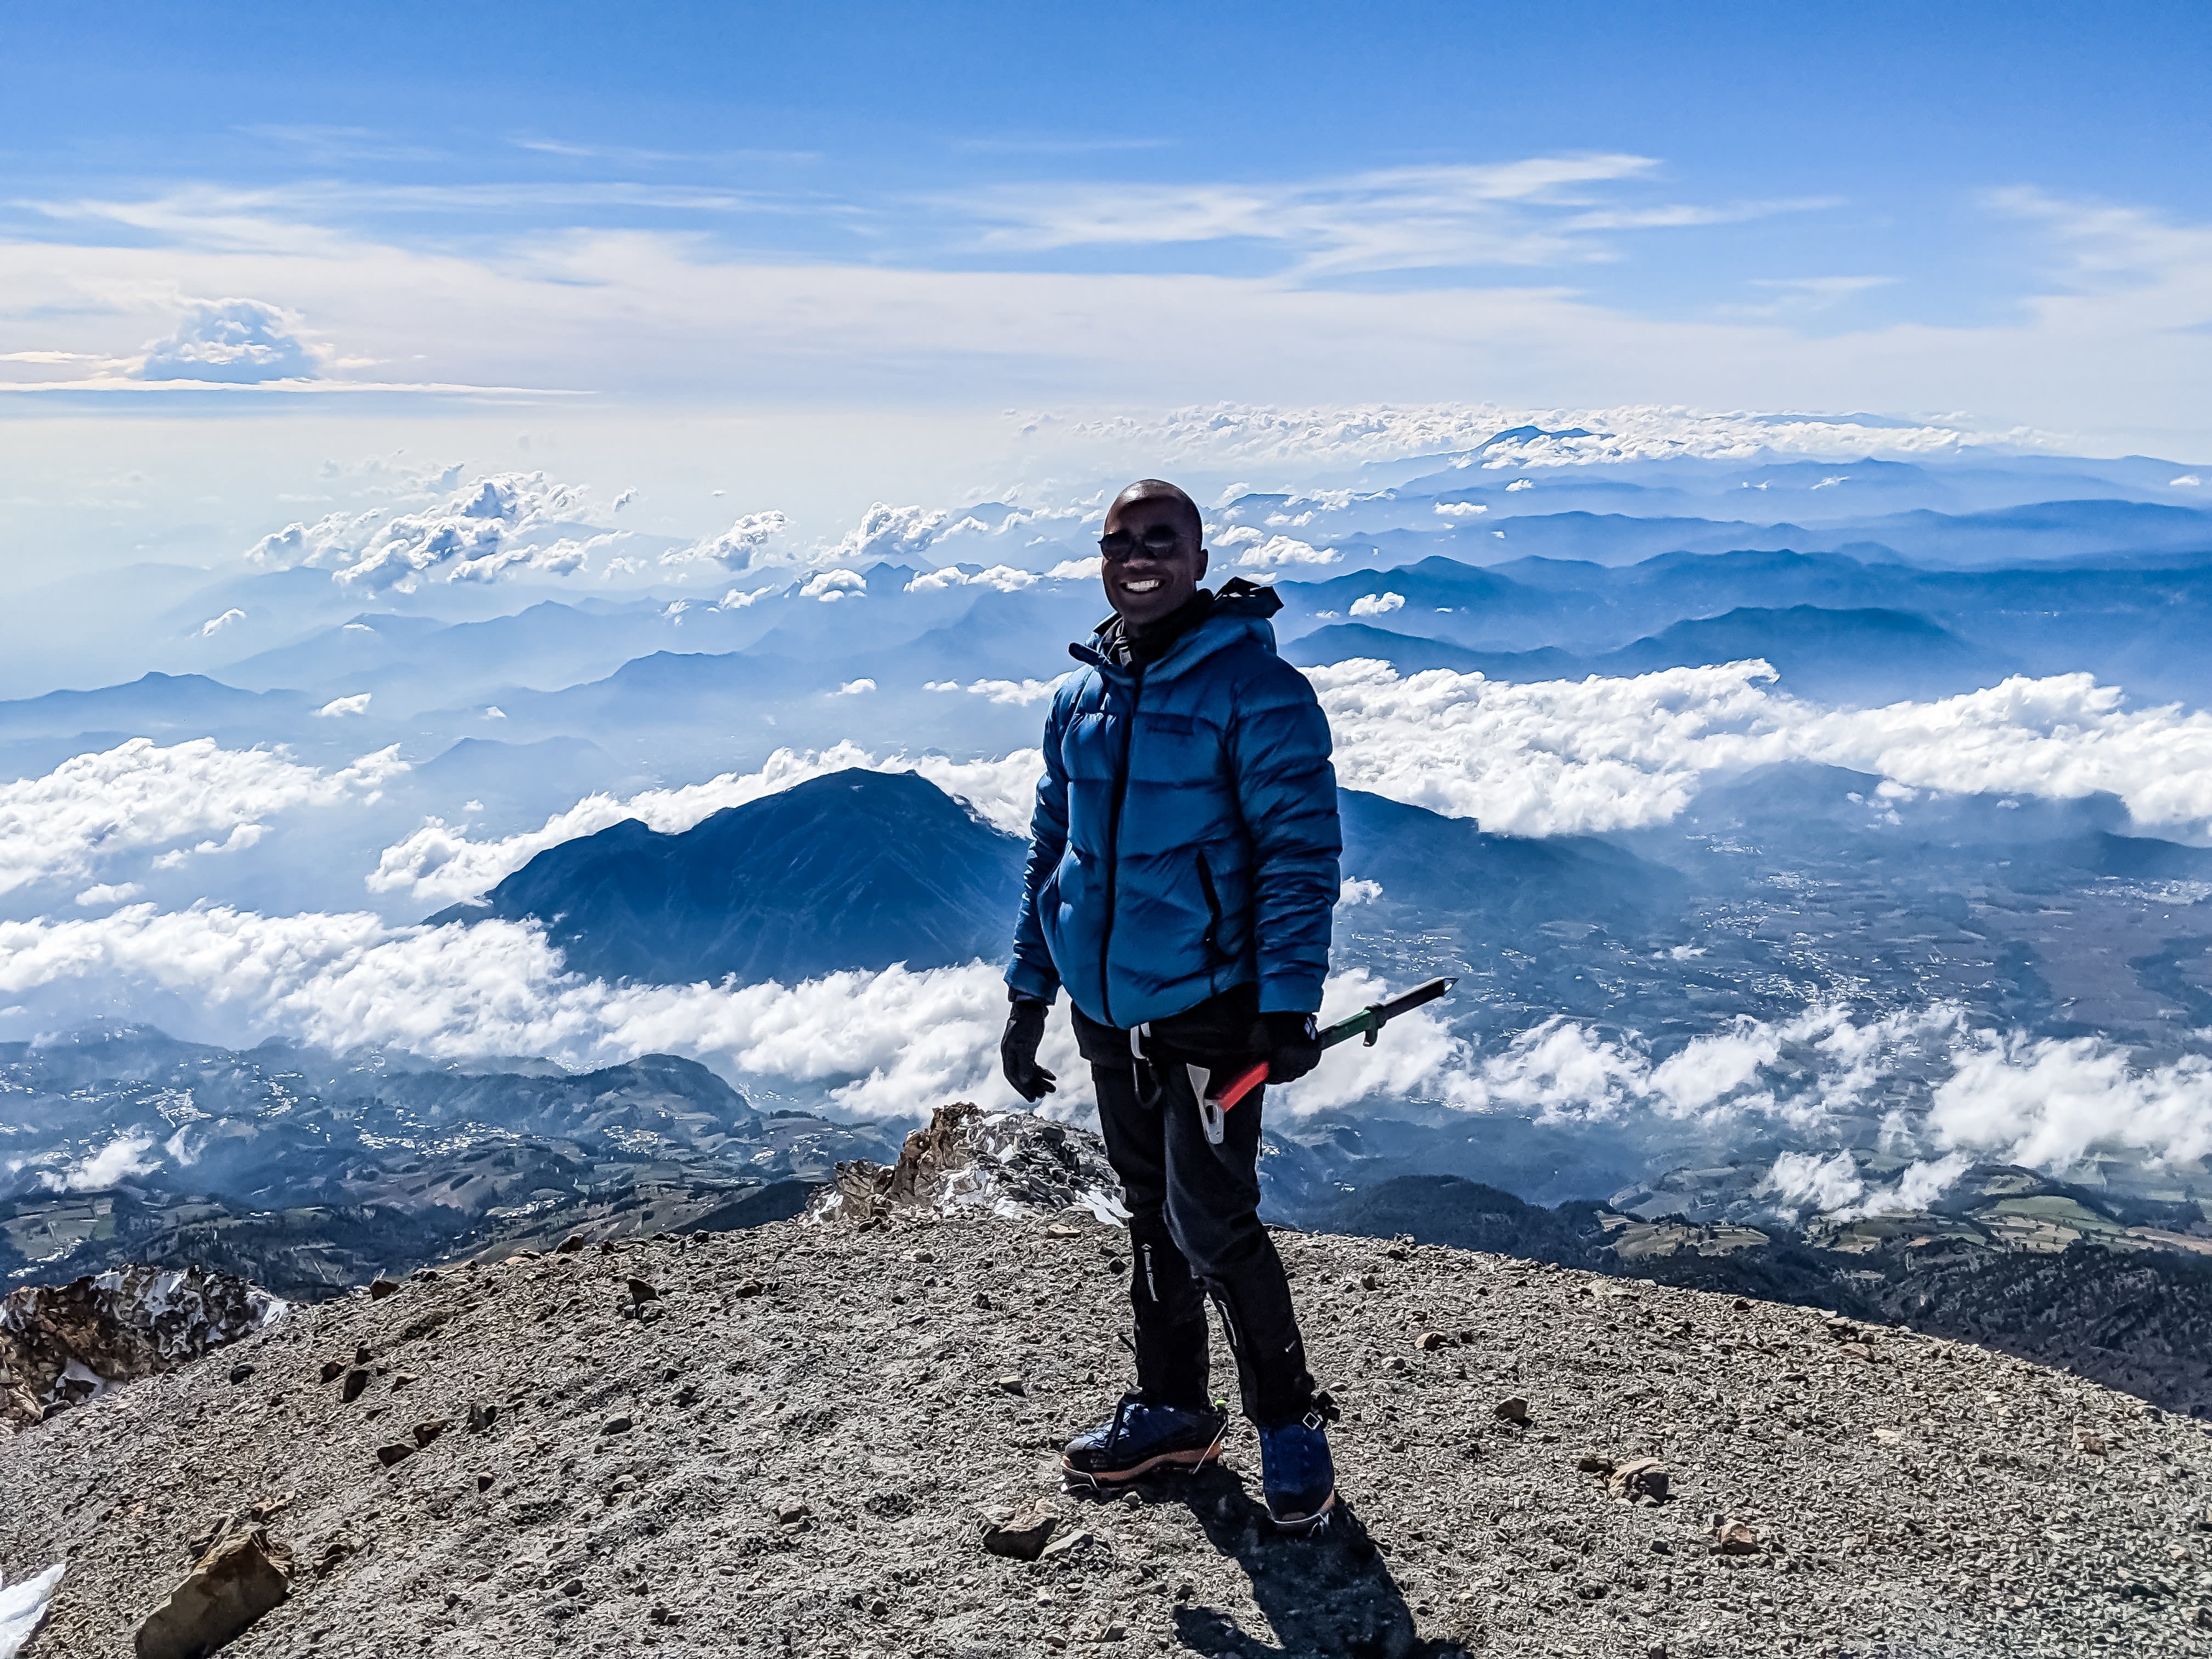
[1187, 517]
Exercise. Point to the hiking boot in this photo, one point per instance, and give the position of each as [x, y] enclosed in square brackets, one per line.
[1142, 1437]
[1296, 1474]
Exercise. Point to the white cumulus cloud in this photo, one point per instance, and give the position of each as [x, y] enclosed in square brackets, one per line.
[137, 797]
[1459, 509]
[235, 342]
[830, 586]
[1278, 552]
[1378, 604]
[1564, 756]
[889, 532]
[114, 1163]
[489, 526]
[1002, 578]
[735, 549]
[216, 624]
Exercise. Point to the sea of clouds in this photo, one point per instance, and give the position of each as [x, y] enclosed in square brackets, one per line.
[1557, 758]
[891, 1043]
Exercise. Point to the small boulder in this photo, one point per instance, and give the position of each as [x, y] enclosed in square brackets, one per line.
[240, 1372]
[1641, 1480]
[1062, 1543]
[570, 1245]
[1513, 1410]
[482, 1415]
[2088, 1440]
[1014, 1385]
[1023, 1537]
[356, 1380]
[745, 1287]
[381, 1287]
[617, 1425]
[398, 1452]
[1733, 1538]
[1429, 1341]
[404, 1379]
[641, 1291]
[239, 1579]
[333, 1369]
[425, 1433]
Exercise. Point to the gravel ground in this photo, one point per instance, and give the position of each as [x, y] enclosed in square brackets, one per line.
[795, 1447]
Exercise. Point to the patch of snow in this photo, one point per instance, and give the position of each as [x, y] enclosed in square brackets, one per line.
[22, 1606]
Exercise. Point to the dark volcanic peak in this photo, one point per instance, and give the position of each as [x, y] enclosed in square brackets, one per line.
[857, 869]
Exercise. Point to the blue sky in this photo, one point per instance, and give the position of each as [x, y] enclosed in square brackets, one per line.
[625, 221]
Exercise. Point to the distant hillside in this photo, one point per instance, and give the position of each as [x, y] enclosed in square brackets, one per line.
[1861, 655]
[855, 869]
[2110, 1291]
[153, 705]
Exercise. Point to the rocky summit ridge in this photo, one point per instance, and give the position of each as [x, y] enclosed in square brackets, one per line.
[836, 1436]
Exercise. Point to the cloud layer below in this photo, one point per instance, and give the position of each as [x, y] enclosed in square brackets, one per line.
[137, 797]
[1565, 756]
[896, 1042]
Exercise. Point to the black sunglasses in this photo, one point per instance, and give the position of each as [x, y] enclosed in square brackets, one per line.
[1160, 540]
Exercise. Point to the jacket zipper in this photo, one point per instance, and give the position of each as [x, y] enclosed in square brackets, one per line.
[1113, 843]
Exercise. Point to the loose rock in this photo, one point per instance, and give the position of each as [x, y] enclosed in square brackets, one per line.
[1022, 1538]
[241, 1578]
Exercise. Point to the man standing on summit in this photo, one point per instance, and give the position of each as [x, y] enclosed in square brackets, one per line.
[1181, 870]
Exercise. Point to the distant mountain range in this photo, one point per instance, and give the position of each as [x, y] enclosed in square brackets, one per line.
[1866, 655]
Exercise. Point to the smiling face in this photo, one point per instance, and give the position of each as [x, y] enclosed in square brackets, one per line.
[1153, 560]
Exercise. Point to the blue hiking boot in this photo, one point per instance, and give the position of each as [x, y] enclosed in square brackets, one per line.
[1141, 1437]
[1296, 1474]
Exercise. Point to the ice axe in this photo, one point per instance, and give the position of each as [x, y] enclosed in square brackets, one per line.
[1214, 1103]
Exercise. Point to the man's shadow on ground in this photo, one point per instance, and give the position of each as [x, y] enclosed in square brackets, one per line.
[1328, 1593]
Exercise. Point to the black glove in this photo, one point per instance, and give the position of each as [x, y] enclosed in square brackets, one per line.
[1289, 1043]
[1018, 1049]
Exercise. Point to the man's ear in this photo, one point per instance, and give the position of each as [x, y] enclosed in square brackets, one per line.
[1199, 576]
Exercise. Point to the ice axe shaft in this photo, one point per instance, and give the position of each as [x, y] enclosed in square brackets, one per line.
[1367, 1022]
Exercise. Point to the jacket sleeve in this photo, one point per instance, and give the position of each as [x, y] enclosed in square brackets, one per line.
[1031, 973]
[1286, 790]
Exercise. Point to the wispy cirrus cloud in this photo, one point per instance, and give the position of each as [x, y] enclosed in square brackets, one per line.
[1545, 210]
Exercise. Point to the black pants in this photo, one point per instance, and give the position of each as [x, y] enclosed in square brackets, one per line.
[1194, 1231]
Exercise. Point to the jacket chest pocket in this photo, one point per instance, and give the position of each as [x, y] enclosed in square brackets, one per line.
[1173, 748]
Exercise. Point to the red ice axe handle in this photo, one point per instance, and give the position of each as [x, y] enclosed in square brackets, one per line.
[1368, 1023]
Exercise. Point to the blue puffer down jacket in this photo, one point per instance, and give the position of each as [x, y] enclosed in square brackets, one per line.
[1185, 840]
